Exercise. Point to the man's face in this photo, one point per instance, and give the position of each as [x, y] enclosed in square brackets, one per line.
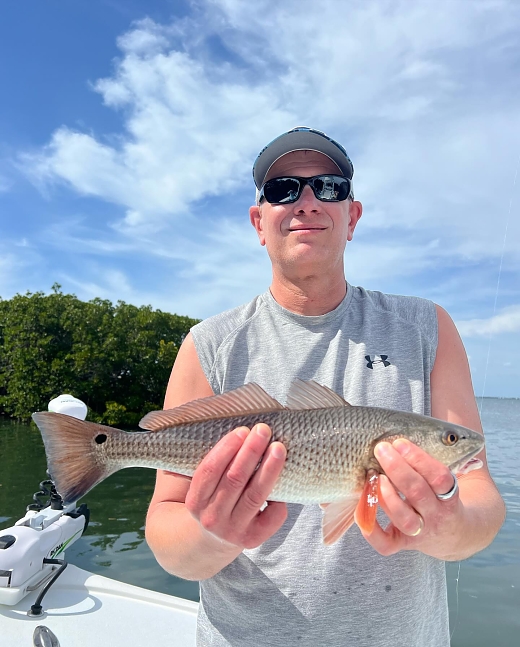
[307, 235]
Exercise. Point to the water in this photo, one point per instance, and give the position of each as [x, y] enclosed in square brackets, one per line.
[489, 582]
[485, 611]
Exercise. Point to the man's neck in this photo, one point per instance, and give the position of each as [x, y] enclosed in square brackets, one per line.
[313, 295]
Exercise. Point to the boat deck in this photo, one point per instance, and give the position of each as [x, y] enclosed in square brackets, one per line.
[83, 609]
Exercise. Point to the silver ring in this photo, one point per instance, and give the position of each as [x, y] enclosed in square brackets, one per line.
[451, 493]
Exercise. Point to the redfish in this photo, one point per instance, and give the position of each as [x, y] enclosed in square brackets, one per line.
[330, 446]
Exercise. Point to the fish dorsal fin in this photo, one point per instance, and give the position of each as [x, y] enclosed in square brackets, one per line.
[311, 395]
[247, 399]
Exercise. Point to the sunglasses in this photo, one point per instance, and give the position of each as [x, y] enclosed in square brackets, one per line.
[327, 188]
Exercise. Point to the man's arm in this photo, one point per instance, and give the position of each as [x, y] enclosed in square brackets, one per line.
[453, 529]
[195, 527]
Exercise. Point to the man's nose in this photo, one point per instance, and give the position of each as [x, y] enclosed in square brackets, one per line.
[307, 201]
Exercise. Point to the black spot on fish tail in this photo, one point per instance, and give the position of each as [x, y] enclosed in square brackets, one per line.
[75, 459]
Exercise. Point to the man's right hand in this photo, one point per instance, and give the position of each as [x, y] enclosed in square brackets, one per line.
[197, 527]
[232, 483]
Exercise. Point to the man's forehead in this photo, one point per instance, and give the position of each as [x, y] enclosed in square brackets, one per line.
[296, 163]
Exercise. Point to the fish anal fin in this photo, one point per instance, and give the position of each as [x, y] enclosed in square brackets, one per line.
[311, 395]
[366, 509]
[337, 518]
[247, 399]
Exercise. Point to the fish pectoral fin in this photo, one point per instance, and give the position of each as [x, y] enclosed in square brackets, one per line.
[311, 395]
[366, 510]
[337, 518]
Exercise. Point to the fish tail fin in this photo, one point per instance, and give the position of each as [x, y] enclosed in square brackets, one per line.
[338, 518]
[366, 510]
[75, 460]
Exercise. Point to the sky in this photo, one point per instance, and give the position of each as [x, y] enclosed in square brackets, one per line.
[128, 130]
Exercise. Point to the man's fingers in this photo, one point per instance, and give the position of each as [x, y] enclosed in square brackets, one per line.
[208, 474]
[237, 476]
[390, 540]
[260, 486]
[417, 476]
[438, 477]
[266, 524]
[233, 482]
[413, 481]
[403, 516]
[387, 542]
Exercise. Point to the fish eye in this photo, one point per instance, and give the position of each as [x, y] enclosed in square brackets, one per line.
[449, 438]
[100, 439]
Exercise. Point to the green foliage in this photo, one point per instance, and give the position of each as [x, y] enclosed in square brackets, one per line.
[116, 358]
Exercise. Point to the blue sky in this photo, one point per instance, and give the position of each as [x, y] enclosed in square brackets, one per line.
[128, 130]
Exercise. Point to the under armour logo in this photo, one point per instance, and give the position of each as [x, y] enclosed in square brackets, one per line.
[383, 359]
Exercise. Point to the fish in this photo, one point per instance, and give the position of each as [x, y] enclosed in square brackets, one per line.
[330, 446]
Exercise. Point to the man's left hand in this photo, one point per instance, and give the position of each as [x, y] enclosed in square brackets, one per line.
[421, 521]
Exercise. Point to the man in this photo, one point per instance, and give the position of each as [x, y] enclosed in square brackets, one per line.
[266, 578]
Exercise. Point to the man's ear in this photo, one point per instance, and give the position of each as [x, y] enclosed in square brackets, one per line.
[355, 210]
[255, 216]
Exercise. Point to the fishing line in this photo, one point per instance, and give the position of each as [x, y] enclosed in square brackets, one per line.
[457, 579]
[457, 598]
[498, 284]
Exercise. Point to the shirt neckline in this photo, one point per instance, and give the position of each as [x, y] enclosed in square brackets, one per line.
[312, 320]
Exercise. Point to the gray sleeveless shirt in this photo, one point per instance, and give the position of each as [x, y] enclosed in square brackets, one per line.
[374, 350]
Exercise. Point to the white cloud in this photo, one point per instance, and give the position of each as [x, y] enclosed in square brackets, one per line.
[368, 261]
[362, 60]
[506, 321]
[422, 94]
[110, 284]
[196, 276]
[220, 267]
[148, 37]
[391, 81]
[189, 134]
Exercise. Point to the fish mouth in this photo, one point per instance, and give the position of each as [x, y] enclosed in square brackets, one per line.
[467, 463]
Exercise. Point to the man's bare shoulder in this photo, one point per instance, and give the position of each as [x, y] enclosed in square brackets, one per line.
[187, 380]
[453, 397]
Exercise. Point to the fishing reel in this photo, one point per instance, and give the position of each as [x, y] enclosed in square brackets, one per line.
[30, 550]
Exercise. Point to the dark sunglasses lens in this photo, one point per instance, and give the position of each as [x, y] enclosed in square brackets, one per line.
[282, 189]
[331, 188]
